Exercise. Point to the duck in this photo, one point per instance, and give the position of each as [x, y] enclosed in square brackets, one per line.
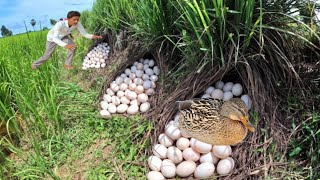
[214, 121]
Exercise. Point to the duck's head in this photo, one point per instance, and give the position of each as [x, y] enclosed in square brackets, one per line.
[236, 109]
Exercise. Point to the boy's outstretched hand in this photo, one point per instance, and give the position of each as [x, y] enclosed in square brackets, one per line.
[96, 37]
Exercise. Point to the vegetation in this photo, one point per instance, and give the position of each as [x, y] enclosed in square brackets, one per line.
[50, 116]
[5, 31]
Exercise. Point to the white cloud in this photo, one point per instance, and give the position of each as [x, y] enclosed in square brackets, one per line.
[41, 11]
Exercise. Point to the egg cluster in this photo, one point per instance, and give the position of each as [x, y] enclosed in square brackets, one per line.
[226, 91]
[176, 154]
[97, 57]
[130, 91]
[179, 155]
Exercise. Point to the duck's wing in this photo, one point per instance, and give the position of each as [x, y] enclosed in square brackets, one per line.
[199, 115]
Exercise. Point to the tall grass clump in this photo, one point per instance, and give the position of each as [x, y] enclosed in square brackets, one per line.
[28, 101]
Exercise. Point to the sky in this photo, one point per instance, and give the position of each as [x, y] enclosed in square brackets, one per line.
[13, 13]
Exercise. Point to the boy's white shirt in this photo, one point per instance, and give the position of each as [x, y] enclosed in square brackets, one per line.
[62, 29]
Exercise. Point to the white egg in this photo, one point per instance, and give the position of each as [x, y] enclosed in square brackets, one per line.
[204, 171]
[139, 73]
[135, 102]
[227, 96]
[191, 155]
[124, 100]
[104, 105]
[104, 112]
[127, 81]
[127, 72]
[217, 94]
[228, 86]
[154, 78]
[172, 131]
[156, 70]
[149, 92]
[201, 147]
[112, 108]
[165, 140]
[186, 168]
[103, 65]
[151, 63]
[132, 75]
[209, 90]
[132, 86]
[209, 157]
[246, 99]
[147, 84]
[237, 89]
[145, 77]
[153, 85]
[122, 108]
[114, 87]
[136, 63]
[119, 80]
[145, 66]
[221, 152]
[133, 109]
[160, 151]
[155, 175]
[123, 76]
[174, 154]
[123, 87]
[146, 61]
[149, 72]
[142, 98]
[107, 98]
[183, 143]
[141, 60]
[138, 81]
[97, 66]
[133, 69]
[224, 167]
[139, 89]
[139, 66]
[168, 169]
[110, 92]
[120, 94]
[219, 84]
[131, 95]
[154, 163]
[144, 107]
[206, 96]
[115, 100]
[232, 161]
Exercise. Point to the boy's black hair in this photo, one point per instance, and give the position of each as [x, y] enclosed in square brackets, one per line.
[72, 14]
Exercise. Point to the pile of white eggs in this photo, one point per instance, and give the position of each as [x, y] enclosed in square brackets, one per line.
[97, 57]
[226, 91]
[130, 91]
[176, 154]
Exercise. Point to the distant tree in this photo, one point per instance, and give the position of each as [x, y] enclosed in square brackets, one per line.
[33, 22]
[5, 31]
[45, 28]
[53, 22]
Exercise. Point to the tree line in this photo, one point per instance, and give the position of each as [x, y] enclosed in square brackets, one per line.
[5, 32]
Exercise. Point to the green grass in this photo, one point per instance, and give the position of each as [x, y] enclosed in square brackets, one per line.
[60, 120]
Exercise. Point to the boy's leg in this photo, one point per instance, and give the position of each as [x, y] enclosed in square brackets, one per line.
[50, 46]
[71, 53]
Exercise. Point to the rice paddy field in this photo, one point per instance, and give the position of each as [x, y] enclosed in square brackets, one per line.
[50, 121]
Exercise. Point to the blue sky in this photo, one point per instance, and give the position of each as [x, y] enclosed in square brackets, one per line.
[13, 13]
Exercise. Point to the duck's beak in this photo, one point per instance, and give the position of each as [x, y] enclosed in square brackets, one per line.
[248, 125]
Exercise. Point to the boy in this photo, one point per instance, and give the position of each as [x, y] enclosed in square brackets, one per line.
[59, 35]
